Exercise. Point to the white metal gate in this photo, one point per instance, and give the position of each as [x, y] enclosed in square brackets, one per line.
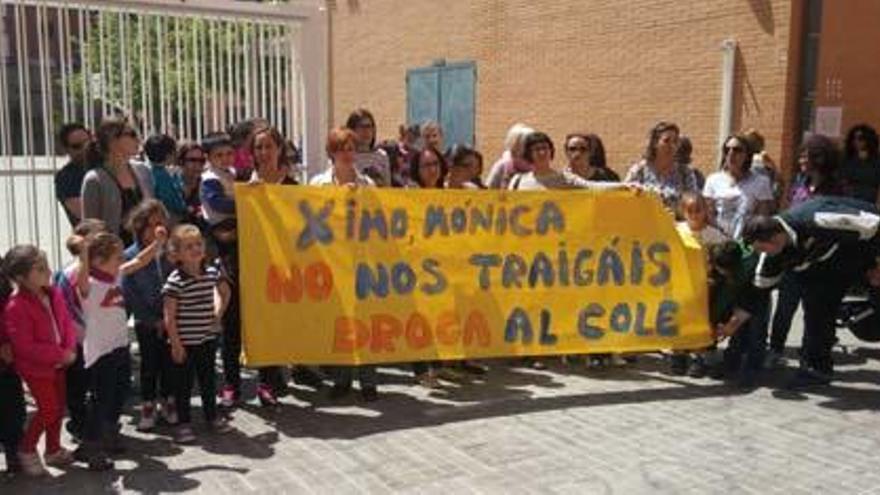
[183, 68]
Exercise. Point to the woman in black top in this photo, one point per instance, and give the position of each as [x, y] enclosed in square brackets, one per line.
[860, 173]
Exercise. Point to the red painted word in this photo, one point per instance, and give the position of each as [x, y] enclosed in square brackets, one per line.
[384, 333]
[289, 285]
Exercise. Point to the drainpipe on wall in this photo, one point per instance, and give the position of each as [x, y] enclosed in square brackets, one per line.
[728, 73]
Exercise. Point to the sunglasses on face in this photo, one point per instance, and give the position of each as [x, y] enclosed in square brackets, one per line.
[365, 125]
[195, 160]
[582, 149]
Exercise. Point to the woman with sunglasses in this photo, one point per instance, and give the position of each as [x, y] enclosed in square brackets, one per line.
[586, 158]
[114, 185]
[191, 163]
[735, 192]
[369, 159]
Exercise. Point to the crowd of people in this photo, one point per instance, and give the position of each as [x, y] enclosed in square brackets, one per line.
[154, 242]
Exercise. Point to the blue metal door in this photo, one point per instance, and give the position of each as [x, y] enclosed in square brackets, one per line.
[446, 94]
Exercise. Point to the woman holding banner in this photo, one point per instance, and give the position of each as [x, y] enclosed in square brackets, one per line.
[659, 171]
[341, 145]
[267, 146]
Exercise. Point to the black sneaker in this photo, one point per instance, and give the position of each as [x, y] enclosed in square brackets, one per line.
[697, 368]
[678, 364]
[13, 464]
[89, 454]
[75, 431]
[339, 391]
[474, 368]
[114, 445]
[370, 394]
[808, 377]
[303, 375]
[100, 462]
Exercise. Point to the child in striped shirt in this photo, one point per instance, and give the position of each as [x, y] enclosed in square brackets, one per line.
[195, 298]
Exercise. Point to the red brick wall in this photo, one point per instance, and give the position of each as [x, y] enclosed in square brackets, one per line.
[849, 60]
[613, 68]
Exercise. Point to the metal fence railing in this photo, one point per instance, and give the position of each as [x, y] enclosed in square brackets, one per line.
[183, 68]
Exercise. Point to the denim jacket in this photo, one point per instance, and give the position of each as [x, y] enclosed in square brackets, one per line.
[143, 288]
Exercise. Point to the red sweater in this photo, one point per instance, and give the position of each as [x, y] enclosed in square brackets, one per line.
[36, 348]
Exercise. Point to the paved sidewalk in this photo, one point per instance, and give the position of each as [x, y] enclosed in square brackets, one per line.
[565, 430]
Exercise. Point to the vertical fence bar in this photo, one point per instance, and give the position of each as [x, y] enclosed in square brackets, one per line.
[198, 63]
[125, 69]
[6, 148]
[28, 121]
[68, 56]
[278, 93]
[245, 52]
[215, 94]
[271, 86]
[261, 56]
[295, 101]
[103, 58]
[160, 49]
[291, 85]
[179, 71]
[230, 86]
[185, 75]
[48, 151]
[85, 66]
[63, 40]
[150, 110]
[142, 42]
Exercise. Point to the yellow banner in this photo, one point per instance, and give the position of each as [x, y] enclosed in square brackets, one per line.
[350, 276]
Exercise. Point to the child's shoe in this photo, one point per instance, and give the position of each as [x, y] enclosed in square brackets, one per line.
[31, 464]
[148, 417]
[428, 380]
[370, 393]
[228, 396]
[220, 425]
[266, 396]
[184, 435]
[169, 411]
[61, 457]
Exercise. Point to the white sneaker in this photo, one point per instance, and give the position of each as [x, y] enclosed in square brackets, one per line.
[32, 465]
[169, 412]
[148, 417]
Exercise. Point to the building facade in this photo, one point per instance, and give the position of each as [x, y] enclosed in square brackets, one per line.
[613, 68]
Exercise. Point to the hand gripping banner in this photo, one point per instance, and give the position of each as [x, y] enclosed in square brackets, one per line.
[355, 276]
